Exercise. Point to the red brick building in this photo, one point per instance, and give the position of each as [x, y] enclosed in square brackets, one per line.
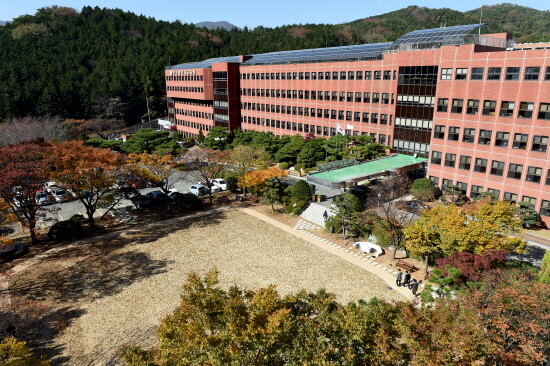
[478, 106]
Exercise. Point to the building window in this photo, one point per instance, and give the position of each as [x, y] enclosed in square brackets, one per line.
[512, 73]
[476, 191]
[484, 137]
[477, 73]
[507, 109]
[525, 110]
[342, 75]
[457, 106]
[341, 115]
[489, 107]
[385, 98]
[461, 74]
[358, 97]
[494, 73]
[447, 183]
[540, 143]
[374, 118]
[342, 97]
[436, 157]
[544, 111]
[377, 75]
[450, 160]
[368, 75]
[348, 116]
[520, 141]
[462, 187]
[534, 174]
[357, 116]
[514, 171]
[349, 97]
[376, 97]
[472, 107]
[335, 75]
[465, 162]
[480, 165]
[494, 192]
[387, 75]
[469, 135]
[510, 197]
[366, 97]
[454, 133]
[531, 200]
[383, 119]
[532, 73]
[442, 104]
[446, 74]
[497, 168]
[502, 138]
[365, 117]
[439, 132]
[359, 75]
[434, 179]
[545, 208]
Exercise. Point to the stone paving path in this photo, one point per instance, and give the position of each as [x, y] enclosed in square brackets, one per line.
[304, 225]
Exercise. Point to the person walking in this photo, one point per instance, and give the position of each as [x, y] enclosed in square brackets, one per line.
[407, 279]
[411, 284]
[325, 215]
[398, 278]
[414, 288]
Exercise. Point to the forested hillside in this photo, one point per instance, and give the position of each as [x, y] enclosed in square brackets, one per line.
[106, 63]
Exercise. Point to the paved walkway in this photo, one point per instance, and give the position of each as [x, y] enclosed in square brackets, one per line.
[384, 273]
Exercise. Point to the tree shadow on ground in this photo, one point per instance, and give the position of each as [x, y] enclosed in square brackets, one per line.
[87, 272]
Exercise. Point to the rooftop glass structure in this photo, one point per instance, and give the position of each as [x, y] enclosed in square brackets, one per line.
[419, 39]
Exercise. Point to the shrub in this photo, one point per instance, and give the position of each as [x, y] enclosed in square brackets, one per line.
[65, 230]
[299, 167]
[295, 207]
[187, 202]
[77, 218]
[544, 274]
[232, 183]
[300, 191]
[284, 165]
[424, 189]
[333, 226]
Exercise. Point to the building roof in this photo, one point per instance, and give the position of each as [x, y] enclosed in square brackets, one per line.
[370, 168]
[425, 38]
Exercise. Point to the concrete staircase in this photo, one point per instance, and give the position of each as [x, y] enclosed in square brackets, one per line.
[314, 213]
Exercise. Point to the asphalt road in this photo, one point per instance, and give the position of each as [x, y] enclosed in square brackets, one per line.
[63, 211]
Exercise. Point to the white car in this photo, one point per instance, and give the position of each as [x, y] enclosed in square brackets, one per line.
[42, 198]
[198, 190]
[218, 182]
[58, 194]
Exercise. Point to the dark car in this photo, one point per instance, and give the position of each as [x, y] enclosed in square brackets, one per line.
[157, 196]
[141, 201]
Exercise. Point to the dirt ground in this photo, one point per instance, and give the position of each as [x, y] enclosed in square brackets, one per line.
[115, 292]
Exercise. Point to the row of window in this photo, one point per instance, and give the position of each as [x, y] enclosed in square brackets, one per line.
[531, 73]
[321, 75]
[476, 191]
[507, 108]
[521, 140]
[515, 171]
[335, 96]
[196, 114]
[184, 78]
[194, 102]
[307, 128]
[365, 117]
[196, 125]
[189, 89]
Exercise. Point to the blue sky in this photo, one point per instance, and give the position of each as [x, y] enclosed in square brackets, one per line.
[252, 13]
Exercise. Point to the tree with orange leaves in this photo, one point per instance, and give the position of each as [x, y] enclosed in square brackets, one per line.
[24, 168]
[158, 169]
[5, 218]
[254, 181]
[88, 172]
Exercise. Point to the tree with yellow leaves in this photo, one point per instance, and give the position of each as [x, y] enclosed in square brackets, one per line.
[254, 181]
[475, 228]
[5, 218]
[160, 170]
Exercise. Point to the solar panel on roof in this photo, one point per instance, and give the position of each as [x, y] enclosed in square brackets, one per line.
[436, 35]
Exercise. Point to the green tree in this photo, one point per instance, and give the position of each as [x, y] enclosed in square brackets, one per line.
[544, 274]
[300, 191]
[151, 141]
[528, 215]
[274, 193]
[424, 189]
[454, 194]
[218, 138]
[348, 215]
[17, 353]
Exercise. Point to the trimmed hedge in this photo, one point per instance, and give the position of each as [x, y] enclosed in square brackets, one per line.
[187, 202]
[300, 191]
[65, 230]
